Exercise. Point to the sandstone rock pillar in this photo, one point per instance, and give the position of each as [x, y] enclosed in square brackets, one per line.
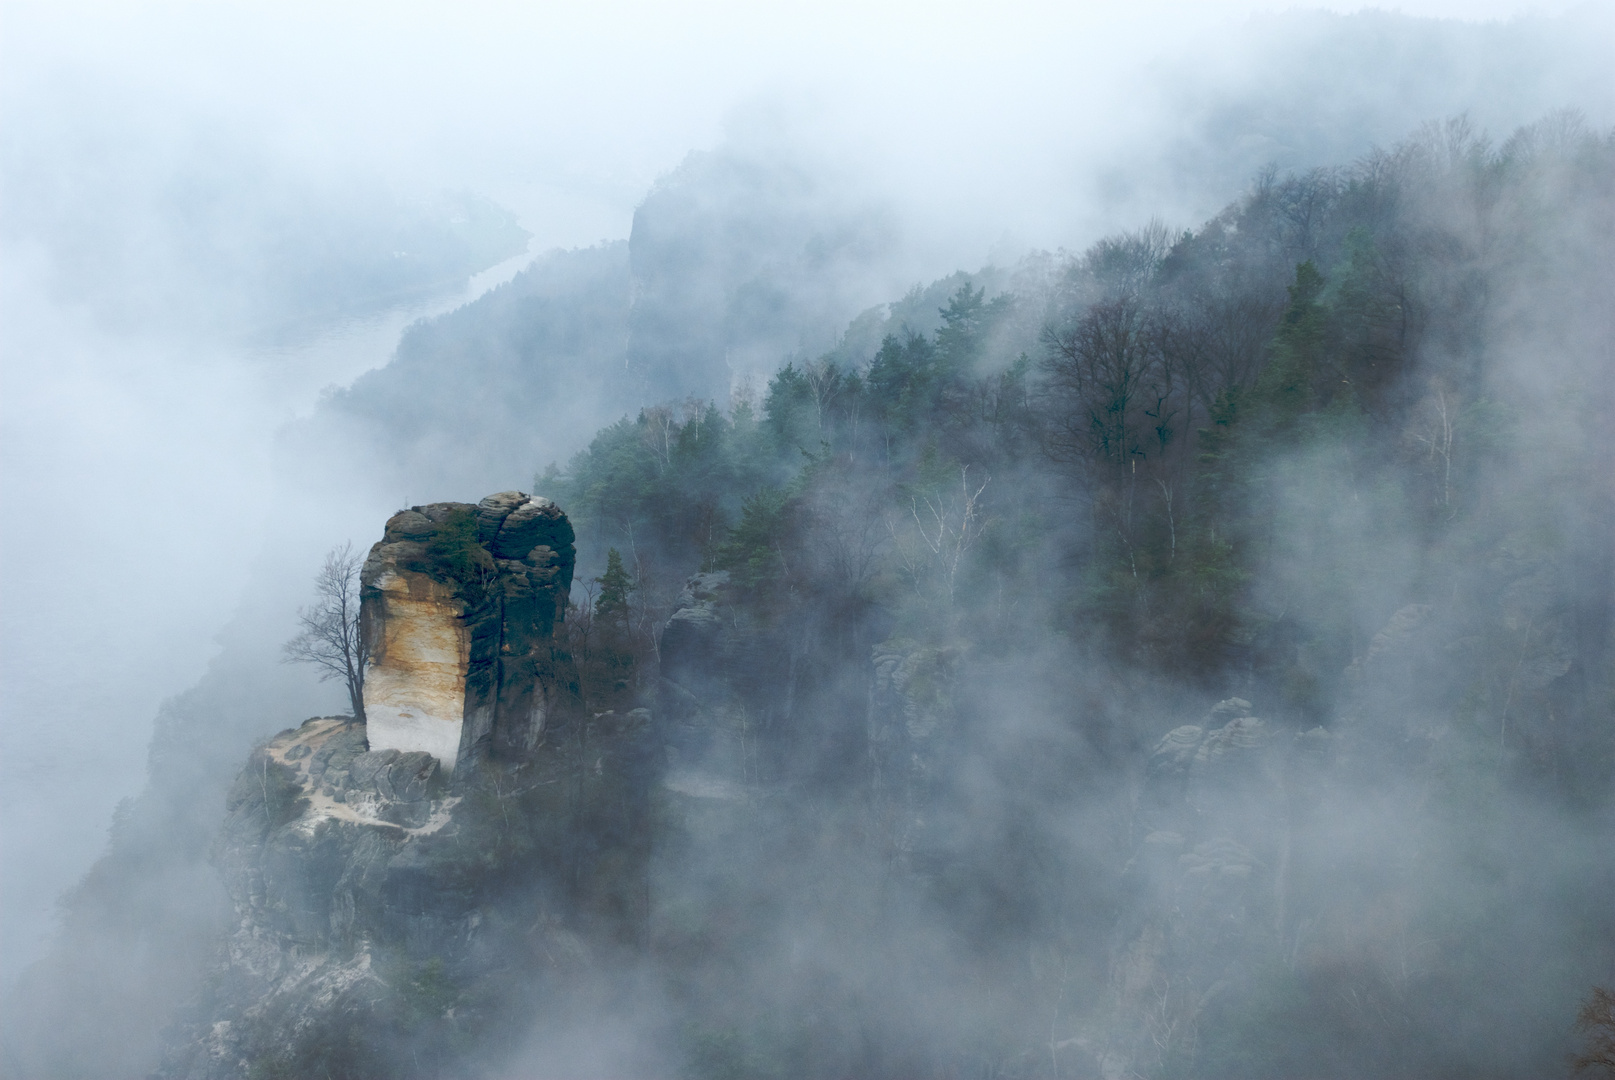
[460, 605]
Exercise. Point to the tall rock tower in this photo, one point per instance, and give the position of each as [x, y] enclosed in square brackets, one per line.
[459, 609]
[388, 923]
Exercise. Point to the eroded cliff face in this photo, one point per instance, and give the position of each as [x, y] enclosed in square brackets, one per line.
[415, 683]
[460, 605]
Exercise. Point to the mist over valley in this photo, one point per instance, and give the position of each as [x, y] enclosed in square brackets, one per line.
[1068, 545]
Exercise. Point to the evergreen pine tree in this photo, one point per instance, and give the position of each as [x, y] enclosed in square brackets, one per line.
[611, 605]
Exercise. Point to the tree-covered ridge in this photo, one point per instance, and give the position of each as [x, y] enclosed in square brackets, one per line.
[1168, 419]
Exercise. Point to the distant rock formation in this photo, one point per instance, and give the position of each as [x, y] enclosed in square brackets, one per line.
[459, 608]
[1212, 873]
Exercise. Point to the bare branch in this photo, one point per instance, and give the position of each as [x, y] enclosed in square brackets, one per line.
[950, 526]
[1597, 1022]
[331, 637]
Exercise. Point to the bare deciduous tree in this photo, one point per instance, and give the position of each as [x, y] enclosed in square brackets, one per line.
[331, 638]
[1597, 1022]
[827, 382]
[949, 527]
[664, 424]
[1122, 266]
[1219, 342]
[1432, 428]
[1105, 372]
[1119, 396]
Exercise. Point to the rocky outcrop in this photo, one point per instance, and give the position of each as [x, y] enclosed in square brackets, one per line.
[1211, 875]
[388, 916]
[911, 711]
[322, 851]
[745, 714]
[386, 923]
[756, 693]
[712, 726]
[459, 609]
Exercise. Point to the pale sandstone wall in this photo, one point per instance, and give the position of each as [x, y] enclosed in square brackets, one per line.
[415, 686]
[459, 609]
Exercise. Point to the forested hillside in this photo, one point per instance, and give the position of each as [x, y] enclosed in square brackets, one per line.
[1224, 456]
[1341, 458]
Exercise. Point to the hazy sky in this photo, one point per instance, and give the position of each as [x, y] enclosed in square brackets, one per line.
[136, 466]
[568, 111]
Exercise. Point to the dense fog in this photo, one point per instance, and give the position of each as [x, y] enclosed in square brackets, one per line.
[272, 274]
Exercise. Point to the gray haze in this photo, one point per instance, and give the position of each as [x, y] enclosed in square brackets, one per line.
[206, 213]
